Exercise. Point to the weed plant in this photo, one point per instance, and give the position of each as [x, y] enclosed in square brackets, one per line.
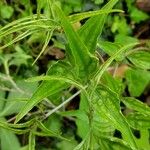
[38, 103]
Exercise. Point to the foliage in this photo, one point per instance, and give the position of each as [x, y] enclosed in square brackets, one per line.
[104, 78]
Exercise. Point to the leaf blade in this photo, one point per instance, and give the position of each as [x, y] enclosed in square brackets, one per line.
[111, 109]
[46, 88]
[94, 25]
[79, 55]
[137, 105]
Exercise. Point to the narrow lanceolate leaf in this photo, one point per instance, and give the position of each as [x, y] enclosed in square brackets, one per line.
[105, 65]
[6, 126]
[137, 105]
[18, 21]
[18, 38]
[31, 141]
[78, 53]
[29, 25]
[21, 125]
[57, 78]
[47, 88]
[48, 132]
[110, 60]
[92, 29]
[109, 103]
[48, 37]
[80, 16]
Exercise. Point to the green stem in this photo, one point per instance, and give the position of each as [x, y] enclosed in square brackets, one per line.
[6, 67]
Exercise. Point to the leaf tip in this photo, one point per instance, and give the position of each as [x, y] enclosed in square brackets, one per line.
[18, 118]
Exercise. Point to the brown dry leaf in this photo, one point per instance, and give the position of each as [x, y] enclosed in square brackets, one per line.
[120, 71]
[54, 51]
[143, 5]
[57, 53]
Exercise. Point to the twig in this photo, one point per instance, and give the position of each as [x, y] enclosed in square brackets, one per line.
[62, 104]
[11, 119]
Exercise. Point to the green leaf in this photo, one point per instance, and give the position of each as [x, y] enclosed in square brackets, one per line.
[52, 87]
[19, 57]
[48, 37]
[80, 16]
[137, 81]
[24, 147]
[6, 11]
[81, 121]
[54, 123]
[143, 142]
[77, 52]
[11, 128]
[94, 25]
[28, 23]
[140, 59]
[120, 25]
[57, 78]
[137, 105]
[21, 20]
[16, 100]
[109, 103]
[113, 83]
[70, 145]
[124, 40]
[27, 124]
[2, 103]
[105, 65]
[12, 107]
[82, 117]
[98, 2]
[31, 141]
[139, 121]
[112, 143]
[18, 38]
[138, 15]
[48, 131]
[7, 139]
[110, 48]
[47, 88]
